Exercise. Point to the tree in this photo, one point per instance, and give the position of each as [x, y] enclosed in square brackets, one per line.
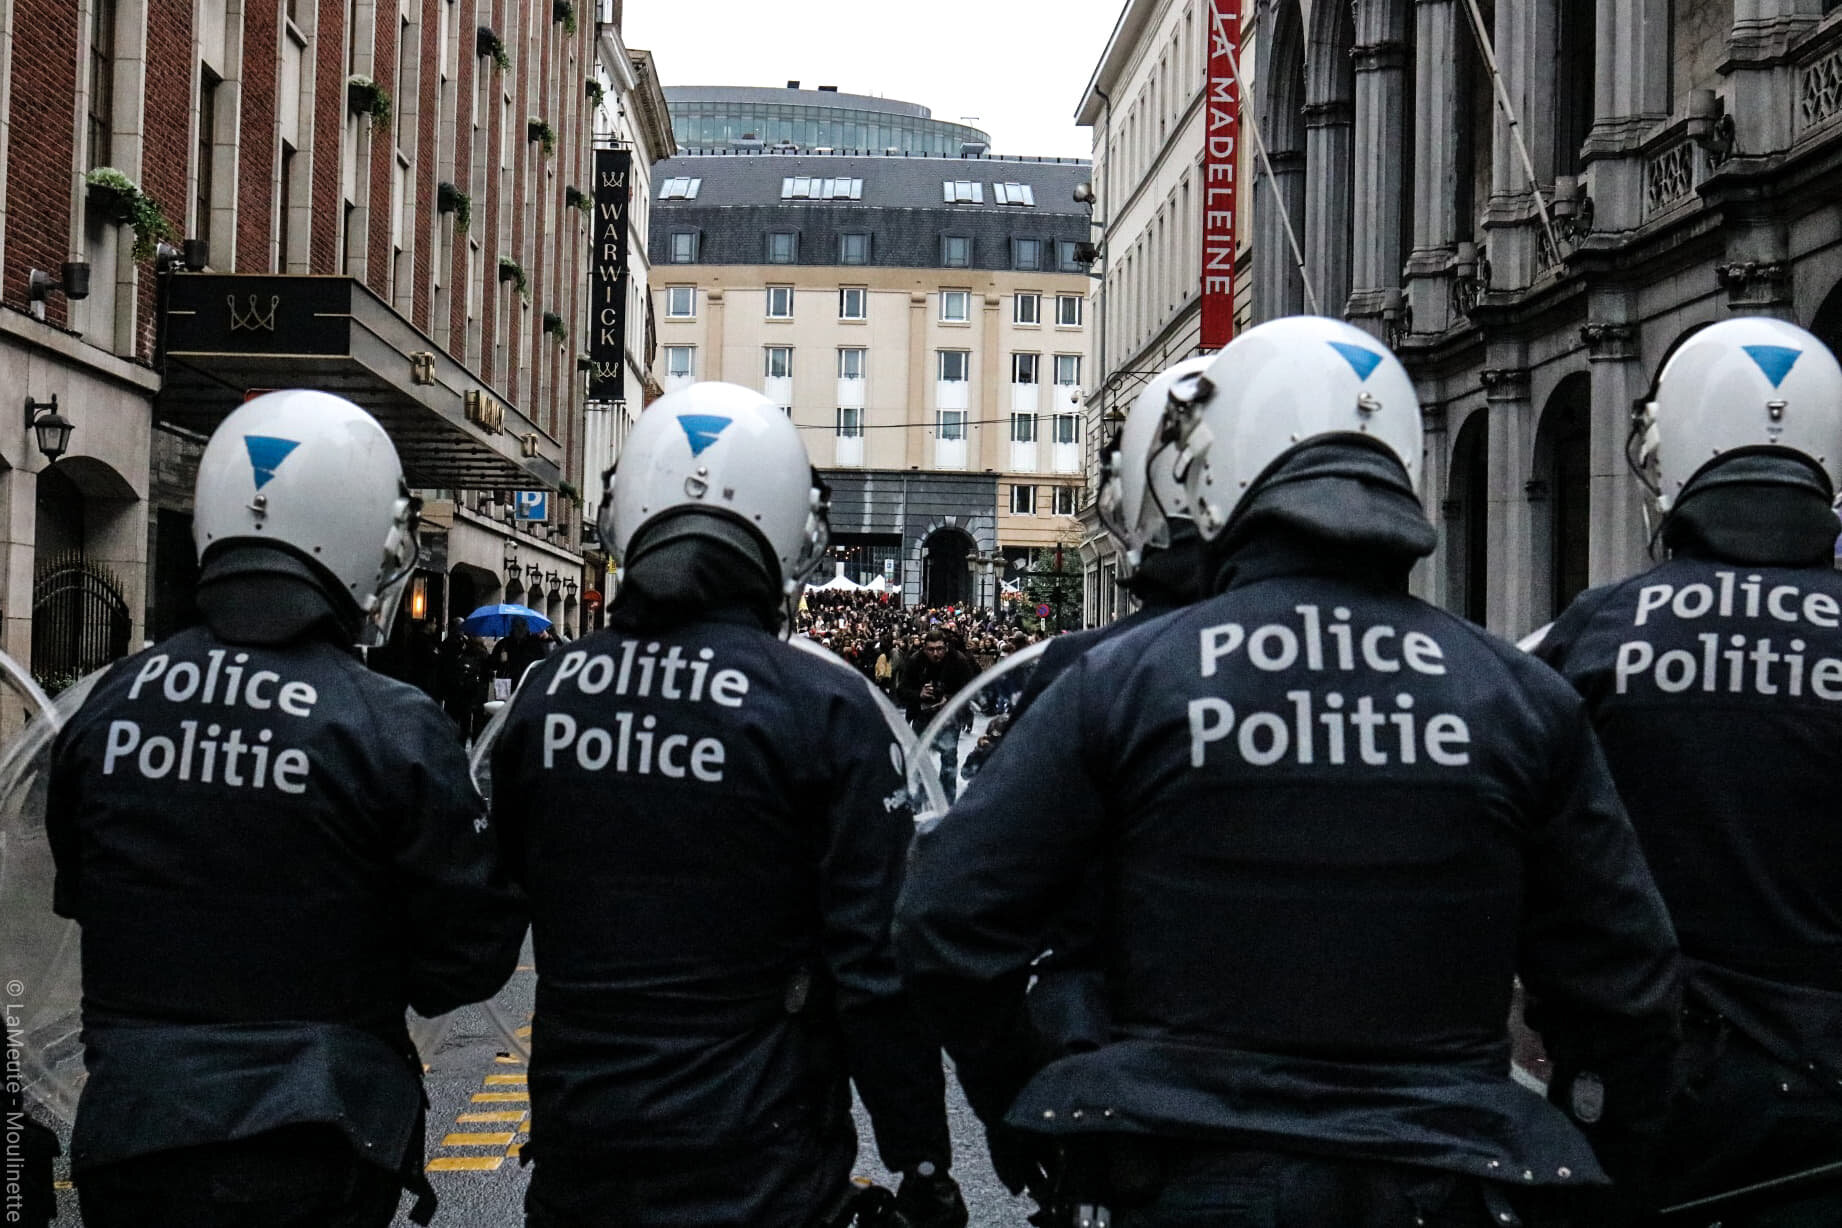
[1054, 580]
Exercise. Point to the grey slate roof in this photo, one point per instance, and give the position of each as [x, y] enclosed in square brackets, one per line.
[903, 209]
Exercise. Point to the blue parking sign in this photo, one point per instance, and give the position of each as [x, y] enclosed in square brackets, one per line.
[533, 505]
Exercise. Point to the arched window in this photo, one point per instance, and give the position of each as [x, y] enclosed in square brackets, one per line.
[1467, 517]
[1560, 496]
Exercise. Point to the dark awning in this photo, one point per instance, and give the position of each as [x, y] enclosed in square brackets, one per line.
[228, 334]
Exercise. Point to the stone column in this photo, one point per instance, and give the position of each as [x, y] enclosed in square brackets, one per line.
[1630, 97]
[1619, 535]
[1507, 604]
[1277, 288]
[1327, 185]
[1438, 27]
[1380, 172]
[1525, 51]
[1431, 577]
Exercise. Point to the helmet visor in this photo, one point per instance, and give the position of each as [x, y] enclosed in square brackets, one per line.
[402, 550]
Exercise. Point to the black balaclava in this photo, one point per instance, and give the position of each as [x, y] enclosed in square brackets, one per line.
[251, 593]
[1757, 506]
[1173, 576]
[1338, 503]
[683, 567]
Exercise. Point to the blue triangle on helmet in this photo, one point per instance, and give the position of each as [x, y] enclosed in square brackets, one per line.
[1775, 360]
[1363, 360]
[702, 429]
[266, 453]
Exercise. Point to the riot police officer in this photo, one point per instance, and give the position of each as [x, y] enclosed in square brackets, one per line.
[1715, 683]
[1334, 823]
[712, 825]
[271, 851]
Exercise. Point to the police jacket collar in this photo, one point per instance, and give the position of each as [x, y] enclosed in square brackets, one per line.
[1764, 508]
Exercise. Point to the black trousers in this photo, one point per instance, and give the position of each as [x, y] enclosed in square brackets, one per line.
[305, 1176]
[1232, 1188]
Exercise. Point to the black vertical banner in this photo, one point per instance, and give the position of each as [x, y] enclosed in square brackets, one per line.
[607, 291]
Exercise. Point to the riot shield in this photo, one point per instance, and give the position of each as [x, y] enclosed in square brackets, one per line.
[39, 950]
[924, 795]
[959, 739]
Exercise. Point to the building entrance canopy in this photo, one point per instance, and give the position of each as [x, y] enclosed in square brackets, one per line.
[227, 335]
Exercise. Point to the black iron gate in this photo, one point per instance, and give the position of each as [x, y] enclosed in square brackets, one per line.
[79, 621]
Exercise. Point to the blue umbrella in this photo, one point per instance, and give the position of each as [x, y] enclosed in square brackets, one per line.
[496, 620]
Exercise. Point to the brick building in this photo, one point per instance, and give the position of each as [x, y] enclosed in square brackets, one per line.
[383, 198]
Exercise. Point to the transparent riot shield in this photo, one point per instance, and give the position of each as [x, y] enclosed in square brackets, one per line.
[39, 951]
[924, 796]
[959, 739]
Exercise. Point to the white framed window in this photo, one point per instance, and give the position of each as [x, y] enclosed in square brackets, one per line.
[1026, 369]
[1023, 500]
[681, 302]
[1027, 309]
[1064, 500]
[1068, 256]
[1067, 428]
[684, 247]
[955, 252]
[1027, 254]
[950, 424]
[779, 362]
[1023, 428]
[1013, 194]
[850, 363]
[802, 187]
[1068, 370]
[964, 192]
[853, 303]
[780, 302]
[782, 247]
[681, 361]
[955, 306]
[679, 189]
[850, 424]
[955, 366]
[853, 249]
[1068, 310]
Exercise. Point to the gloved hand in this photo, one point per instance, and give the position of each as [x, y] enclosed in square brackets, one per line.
[1021, 1160]
[929, 1198]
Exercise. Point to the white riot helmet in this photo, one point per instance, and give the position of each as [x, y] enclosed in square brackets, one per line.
[316, 476]
[1139, 494]
[1745, 383]
[1271, 389]
[725, 450]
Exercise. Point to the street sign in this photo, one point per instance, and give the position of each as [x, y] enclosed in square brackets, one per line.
[1043, 611]
[533, 505]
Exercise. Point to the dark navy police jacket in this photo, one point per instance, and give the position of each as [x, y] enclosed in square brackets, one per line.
[271, 851]
[1334, 823]
[712, 827]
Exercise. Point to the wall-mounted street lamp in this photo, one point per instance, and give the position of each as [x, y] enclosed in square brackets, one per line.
[1470, 276]
[569, 589]
[1709, 125]
[1397, 317]
[52, 428]
[73, 281]
[533, 575]
[510, 560]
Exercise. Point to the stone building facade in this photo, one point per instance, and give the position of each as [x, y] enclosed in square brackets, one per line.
[369, 196]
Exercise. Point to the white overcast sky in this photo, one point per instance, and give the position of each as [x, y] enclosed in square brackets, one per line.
[1019, 66]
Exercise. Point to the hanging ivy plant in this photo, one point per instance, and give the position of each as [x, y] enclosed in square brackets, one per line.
[553, 325]
[575, 198]
[595, 91]
[366, 97]
[567, 490]
[450, 199]
[488, 43]
[511, 271]
[122, 202]
[540, 131]
[565, 12]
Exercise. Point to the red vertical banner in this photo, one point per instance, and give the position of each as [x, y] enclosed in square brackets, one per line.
[1220, 168]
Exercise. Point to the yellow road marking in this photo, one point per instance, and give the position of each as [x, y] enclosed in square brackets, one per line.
[512, 1151]
[469, 1139]
[523, 1033]
[465, 1164]
[496, 1115]
[505, 1080]
[503, 1060]
[500, 1098]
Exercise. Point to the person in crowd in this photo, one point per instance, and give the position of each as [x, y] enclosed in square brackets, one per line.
[712, 827]
[1712, 680]
[272, 851]
[929, 680]
[1335, 823]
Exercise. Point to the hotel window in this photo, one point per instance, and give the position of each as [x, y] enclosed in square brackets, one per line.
[684, 247]
[1028, 309]
[782, 247]
[779, 362]
[955, 306]
[1064, 500]
[1068, 369]
[1023, 500]
[850, 423]
[681, 302]
[679, 189]
[1067, 428]
[780, 302]
[950, 424]
[854, 249]
[954, 365]
[955, 252]
[1026, 368]
[964, 192]
[1067, 256]
[1023, 429]
[850, 364]
[801, 187]
[853, 303]
[680, 361]
[1026, 254]
[102, 81]
[207, 135]
[1068, 310]
[1013, 194]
